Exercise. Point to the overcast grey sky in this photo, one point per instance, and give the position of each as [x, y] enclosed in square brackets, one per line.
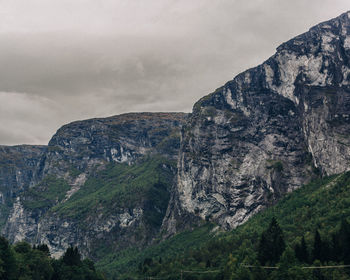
[64, 60]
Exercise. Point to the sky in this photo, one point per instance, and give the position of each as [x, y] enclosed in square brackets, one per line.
[67, 60]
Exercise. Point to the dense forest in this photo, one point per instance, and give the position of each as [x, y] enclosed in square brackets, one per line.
[326, 257]
[24, 262]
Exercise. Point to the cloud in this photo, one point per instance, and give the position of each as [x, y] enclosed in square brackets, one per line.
[63, 60]
[24, 118]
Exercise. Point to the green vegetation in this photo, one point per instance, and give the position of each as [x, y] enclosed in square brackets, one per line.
[275, 165]
[49, 192]
[4, 213]
[170, 143]
[123, 186]
[22, 262]
[74, 172]
[271, 245]
[197, 106]
[54, 148]
[308, 227]
[118, 187]
[127, 262]
[320, 206]
[209, 111]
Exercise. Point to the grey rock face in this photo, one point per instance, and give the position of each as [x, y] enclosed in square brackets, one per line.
[87, 144]
[18, 165]
[77, 152]
[265, 132]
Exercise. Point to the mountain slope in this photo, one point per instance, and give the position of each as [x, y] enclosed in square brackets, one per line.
[322, 205]
[268, 131]
[18, 165]
[99, 182]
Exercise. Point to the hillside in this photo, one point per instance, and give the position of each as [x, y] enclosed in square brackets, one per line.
[320, 205]
[100, 183]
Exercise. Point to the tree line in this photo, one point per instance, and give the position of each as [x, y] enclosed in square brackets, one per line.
[322, 258]
[333, 249]
[317, 257]
[21, 261]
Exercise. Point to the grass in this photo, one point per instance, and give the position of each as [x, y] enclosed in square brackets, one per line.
[122, 186]
[49, 192]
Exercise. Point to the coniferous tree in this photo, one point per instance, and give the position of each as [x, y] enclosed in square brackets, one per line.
[8, 266]
[304, 252]
[301, 251]
[297, 249]
[271, 244]
[344, 241]
[263, 250]
[72, 256]
[318, 247]
[336, 250]
[44, 248]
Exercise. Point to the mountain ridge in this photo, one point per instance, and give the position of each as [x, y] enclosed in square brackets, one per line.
[267, 132]
[74, 159]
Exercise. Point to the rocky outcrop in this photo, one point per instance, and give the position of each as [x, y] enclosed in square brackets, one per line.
[85, 145]
[267, 131]
[18, 165]
[77, 155]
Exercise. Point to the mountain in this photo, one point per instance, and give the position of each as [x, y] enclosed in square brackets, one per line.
[18, 165]
[120, 184]
[267, 132]
[321, 205]
[100, 183]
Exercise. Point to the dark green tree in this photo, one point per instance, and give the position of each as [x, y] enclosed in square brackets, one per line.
[321, 249]
[263, 250]
[37, 264]
[341, 243]
[72, 256]
[8, 266]
[271, 245]
[43, 248]
[301, 251]
[22, 247]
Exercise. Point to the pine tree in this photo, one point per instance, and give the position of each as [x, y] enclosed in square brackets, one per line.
[263, 250]
[341, 244]
[8, 266]
[44, 248]
[317, 251]
[304, 252]
[301, 251]
[271, 245]
[72, 256]
[344, 241]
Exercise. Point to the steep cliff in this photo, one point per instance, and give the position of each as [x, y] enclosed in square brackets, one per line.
[100, 182]
[266, 132]
[18, 167]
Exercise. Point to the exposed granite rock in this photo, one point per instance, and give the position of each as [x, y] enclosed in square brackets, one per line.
[77, 152]
[85, 145]
[265, 132]
[18, 165]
